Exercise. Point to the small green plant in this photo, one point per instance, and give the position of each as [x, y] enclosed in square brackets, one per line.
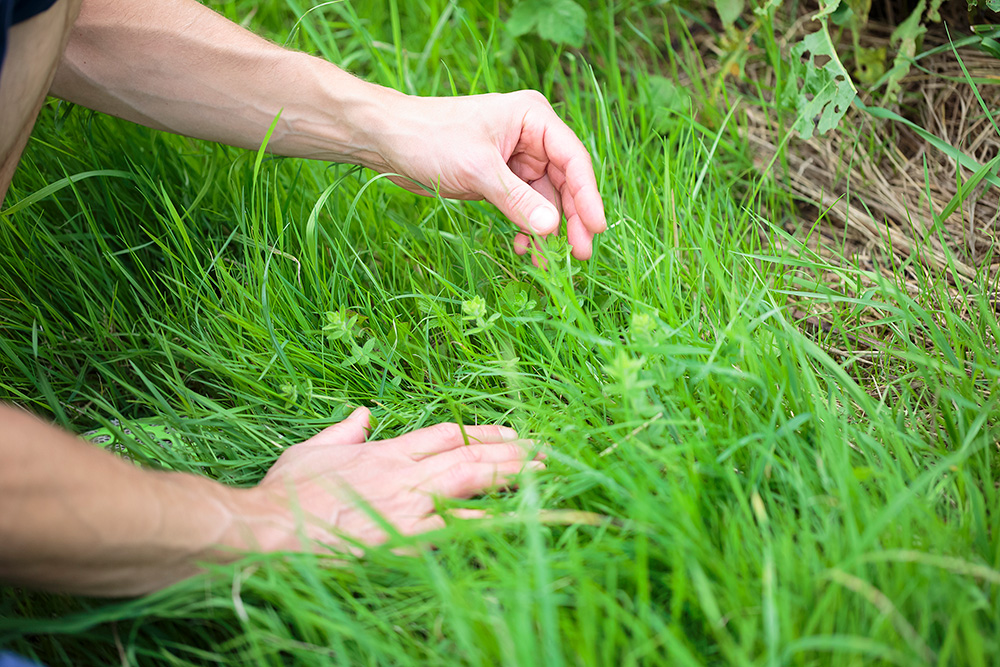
[340, 325]
[818, 86]
[642, 327]
[475, 310]
[289, 392]
[630, 384]
[362, 355]
[293, 393]
[905, 40]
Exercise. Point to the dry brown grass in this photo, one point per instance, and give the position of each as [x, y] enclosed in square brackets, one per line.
[871, 196]
[872, 193]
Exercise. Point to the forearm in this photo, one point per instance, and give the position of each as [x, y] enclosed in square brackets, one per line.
[179, 66]
[74, 518]
[176, 65]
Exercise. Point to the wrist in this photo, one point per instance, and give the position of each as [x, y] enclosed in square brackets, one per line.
[263, 521]
[340, 118]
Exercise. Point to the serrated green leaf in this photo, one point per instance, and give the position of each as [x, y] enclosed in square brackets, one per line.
[843, 15]
[524, 17]
[563, 22]
[729, 10]
[826, 8]
[827, 90]
[663, 97]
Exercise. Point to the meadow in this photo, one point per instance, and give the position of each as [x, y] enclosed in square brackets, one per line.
[726, 482]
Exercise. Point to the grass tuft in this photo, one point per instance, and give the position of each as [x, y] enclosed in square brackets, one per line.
[733, 478]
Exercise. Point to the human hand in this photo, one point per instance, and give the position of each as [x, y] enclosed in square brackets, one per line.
[510, 149]
[326, 487]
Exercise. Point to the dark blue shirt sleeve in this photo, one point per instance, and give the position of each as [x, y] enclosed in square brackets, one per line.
[11, 13]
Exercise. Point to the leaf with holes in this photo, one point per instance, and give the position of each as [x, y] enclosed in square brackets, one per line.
[826, 89]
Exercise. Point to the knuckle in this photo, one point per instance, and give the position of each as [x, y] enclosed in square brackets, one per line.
[447, 431]
[462, 474]
[534, 97]
[470, 454]
[471, 164]
[517, 199]
[489, 433]
[516, 452]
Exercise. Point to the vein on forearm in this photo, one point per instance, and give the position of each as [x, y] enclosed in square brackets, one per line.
[77, 519]
[179, 66]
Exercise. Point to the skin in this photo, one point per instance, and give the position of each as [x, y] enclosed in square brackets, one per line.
[34, 49]
[97, 525]
[93, 524]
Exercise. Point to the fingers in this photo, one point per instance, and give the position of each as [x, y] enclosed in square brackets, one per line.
[351, 431]
[464, 480]
[444, 437]
[528, 167]
[516, 199]
[466, 514]
[523, 243]
[579, 237]
[503, 452]
[571, 171]
[434, 522]
[580, 240]
[425, 525]
[547, 143]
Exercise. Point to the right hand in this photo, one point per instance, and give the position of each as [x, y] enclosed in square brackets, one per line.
[510, 149]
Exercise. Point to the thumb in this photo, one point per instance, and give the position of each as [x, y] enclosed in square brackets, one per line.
[522, 204]
[353, 430]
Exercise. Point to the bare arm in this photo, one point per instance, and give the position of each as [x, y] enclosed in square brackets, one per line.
[177, 65]
[76, 519]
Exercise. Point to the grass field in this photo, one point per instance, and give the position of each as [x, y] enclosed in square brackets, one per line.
[725, 484]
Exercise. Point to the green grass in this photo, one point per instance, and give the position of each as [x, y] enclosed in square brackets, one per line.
[761, 498]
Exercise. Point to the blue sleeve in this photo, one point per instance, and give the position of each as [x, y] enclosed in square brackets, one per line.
[6, 21]
[10, 659]
[15, 11]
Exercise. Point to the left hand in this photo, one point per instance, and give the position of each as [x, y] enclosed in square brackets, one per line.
[510, 149]
[327, 487]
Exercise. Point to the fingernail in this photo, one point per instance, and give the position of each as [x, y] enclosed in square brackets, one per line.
[542, 220]
[507, 434]
[541, 456]
[535, 465]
